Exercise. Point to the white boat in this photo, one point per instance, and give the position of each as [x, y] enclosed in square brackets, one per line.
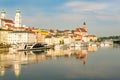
[102, 44]
[24, 47]
[92, 44]
[106, 44]
[75, 44]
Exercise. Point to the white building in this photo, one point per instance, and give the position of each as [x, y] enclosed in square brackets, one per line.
[21, 37]
[67, 39]
[4, 22]
[4, 36]
[49, 40]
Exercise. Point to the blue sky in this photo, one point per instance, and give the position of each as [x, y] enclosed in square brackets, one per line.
[101, 16]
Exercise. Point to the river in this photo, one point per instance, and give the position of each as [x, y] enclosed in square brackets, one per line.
[72, 64]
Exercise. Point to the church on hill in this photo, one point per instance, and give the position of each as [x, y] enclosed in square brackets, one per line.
[6, 23]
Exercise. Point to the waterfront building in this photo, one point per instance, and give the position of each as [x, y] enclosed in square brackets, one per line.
[40, 34]
[81, 33]
[92, 38]
[67, 39]
[15, 37]
[85, 39]
[4, 36]
[56, 40]
[49, 40]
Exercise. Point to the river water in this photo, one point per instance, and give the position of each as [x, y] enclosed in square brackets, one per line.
[72, 64]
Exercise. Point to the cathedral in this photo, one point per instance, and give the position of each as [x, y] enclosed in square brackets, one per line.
[8, 23]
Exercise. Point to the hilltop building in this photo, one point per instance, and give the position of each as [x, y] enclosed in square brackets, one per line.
[4, 23]
[10, 24]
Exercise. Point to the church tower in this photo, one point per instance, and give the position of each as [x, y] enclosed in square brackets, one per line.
[18, 18]
[3, 14]
[84, 26]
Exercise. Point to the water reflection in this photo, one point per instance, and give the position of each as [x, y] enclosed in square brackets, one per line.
[15, 60]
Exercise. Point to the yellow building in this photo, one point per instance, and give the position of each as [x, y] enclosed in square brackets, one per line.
[92, 38]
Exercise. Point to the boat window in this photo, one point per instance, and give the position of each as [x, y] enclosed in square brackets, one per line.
[38, 45]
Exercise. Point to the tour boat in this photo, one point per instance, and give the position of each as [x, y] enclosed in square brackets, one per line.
[25, 47]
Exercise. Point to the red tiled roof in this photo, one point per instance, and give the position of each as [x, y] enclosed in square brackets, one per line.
[48, 36]
[51, 31]
[66, 30]
[80, 30]
[65, 36]
[83, 30]
[22, 28]
[7, 21]
[10, 26]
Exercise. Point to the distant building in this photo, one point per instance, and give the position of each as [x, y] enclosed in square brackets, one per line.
[92, 38]
[81, 33]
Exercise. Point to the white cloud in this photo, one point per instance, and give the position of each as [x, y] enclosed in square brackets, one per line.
[78, 6]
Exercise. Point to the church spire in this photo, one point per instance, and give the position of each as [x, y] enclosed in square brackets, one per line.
[84, 26]
[18, 11]
[84, 23]
[3, 14]
[18, 18]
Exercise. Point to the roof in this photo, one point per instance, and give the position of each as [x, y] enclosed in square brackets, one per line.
[48, 36]
[4, 30]
[65, 37]
[91, 35]
[22, 32]
[83, 30]
[7, 20]
[10, 26]
[80, 30]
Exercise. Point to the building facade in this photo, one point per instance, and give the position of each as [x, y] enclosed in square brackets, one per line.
[15, 37]
[4, 36]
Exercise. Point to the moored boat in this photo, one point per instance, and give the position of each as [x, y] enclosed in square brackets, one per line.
[25, 47]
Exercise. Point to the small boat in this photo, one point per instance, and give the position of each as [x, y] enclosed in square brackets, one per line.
[75, 44]
[92, 44]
